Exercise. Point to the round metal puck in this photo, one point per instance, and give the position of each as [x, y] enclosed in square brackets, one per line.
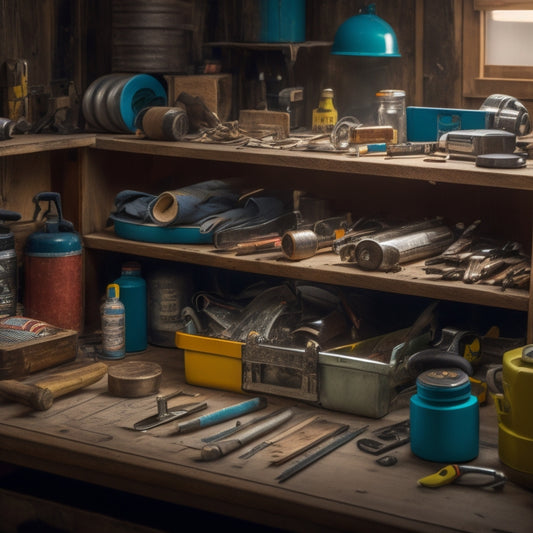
[133, 379]
[501, 161]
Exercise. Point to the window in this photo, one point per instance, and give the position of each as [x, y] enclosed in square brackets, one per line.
[497, 44]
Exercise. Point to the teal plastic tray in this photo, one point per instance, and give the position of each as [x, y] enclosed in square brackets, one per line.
[145, 232]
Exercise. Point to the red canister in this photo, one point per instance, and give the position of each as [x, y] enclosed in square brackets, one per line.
[53, 269]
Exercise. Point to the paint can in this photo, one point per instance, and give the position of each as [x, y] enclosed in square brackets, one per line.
[170, 289]
[8, 266]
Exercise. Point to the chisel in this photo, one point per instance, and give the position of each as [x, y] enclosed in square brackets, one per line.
[223, 447]
[41, 394]
[222, 415]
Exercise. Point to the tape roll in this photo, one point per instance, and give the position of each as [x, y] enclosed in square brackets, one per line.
[112, 102]
[141, 91]
[102, 102]
[164, 123]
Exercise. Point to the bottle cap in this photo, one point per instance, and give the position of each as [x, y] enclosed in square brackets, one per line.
[113, 290]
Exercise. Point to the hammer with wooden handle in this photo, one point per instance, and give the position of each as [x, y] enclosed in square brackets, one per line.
[41, 394]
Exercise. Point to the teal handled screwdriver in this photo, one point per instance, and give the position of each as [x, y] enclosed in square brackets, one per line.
[222, 415]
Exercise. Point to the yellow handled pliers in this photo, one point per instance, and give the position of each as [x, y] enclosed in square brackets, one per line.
[453, 472]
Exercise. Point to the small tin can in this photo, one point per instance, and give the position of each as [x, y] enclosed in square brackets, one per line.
[444, 417]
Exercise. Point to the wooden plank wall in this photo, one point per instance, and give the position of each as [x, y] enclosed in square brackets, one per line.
[71, 39]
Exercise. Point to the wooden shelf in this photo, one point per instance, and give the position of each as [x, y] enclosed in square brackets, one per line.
[321, 268]
[31, 144]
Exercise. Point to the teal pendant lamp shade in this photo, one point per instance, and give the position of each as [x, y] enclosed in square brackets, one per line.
[365, 34]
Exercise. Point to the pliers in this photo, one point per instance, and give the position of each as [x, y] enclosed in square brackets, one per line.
[453, 472]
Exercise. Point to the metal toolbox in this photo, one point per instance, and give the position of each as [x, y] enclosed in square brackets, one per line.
[352, 381]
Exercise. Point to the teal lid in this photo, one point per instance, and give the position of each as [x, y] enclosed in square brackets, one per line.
[366, 34]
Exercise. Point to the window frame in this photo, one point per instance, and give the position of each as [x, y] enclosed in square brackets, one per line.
[480, 80]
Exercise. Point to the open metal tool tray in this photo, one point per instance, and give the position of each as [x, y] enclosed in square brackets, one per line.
[352, 382]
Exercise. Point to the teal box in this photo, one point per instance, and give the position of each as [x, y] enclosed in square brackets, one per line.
[428, 124]
[282, 21]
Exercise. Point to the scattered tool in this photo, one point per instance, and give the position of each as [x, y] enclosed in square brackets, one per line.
[222, 415]
[391, 437]
[41, 394]
[238, 427]
[223, 447]
[311, 435]
[304, 463]
[454, 472]
[277, 438]
[164, 415]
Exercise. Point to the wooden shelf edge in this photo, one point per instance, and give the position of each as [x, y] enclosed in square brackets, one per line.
[416, 168]
[29, 144]
[322, 268]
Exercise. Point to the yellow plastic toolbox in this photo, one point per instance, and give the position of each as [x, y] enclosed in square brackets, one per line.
[211, 362]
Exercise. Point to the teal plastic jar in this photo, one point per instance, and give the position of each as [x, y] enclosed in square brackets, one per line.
[444, 417]
[134, 297]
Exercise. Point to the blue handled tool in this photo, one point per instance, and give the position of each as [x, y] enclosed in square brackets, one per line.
[222, 415]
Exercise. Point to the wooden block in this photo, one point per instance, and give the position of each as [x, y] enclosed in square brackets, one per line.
[259, 123]
[20, 359]
[214, 89]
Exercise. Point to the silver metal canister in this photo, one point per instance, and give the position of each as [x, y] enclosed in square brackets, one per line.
[170, 289]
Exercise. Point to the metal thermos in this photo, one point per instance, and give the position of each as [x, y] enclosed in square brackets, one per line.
[53, 268]
[8, 266]
[170, 289]
[444, 417]
[133, 295]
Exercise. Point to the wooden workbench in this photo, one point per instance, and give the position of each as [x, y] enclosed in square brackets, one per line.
[88, 436]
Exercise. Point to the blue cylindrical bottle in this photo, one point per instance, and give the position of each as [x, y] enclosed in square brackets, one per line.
[444, 417]
[134, 297]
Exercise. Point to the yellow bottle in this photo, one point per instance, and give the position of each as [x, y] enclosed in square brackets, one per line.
[325, 115]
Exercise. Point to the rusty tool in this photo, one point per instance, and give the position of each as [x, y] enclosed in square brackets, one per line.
[41, 394]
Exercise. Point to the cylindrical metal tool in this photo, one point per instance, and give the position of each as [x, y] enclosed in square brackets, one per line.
[299, 244]
[370, 254]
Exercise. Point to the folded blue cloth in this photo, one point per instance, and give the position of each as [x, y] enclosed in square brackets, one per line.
[192, 203]
[133, 204]
[255, 211]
